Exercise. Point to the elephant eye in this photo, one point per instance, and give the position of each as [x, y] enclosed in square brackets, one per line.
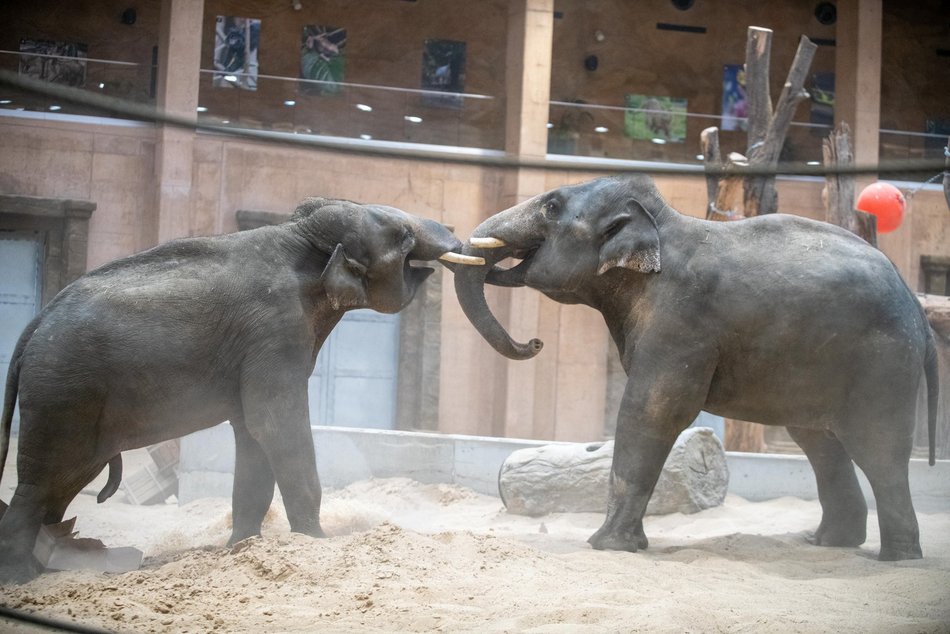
[407, 241]
[551, 208]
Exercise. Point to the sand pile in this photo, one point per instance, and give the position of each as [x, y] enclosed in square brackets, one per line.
[409, 557]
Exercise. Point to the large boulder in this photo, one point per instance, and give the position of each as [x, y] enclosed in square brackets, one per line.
[572, 477]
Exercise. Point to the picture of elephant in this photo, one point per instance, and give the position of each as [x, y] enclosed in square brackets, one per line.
[192, 333]
[775, 319]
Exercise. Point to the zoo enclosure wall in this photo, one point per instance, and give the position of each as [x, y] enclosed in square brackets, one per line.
[153, 183]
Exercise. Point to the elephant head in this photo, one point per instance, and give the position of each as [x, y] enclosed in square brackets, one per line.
[371, 251]
[571, 241]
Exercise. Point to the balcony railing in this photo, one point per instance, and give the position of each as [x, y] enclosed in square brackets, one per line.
[664, 134]
[656, 132]
[126, 81]
[352, 110]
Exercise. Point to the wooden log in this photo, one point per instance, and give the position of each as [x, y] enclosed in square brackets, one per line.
[758, 52]
[573, 477]
[744, 436]
[712, 160]
[760, 195]
[946, 173]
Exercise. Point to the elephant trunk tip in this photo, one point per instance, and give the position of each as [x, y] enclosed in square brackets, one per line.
[523, 351]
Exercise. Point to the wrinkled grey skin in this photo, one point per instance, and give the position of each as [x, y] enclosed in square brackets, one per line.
[192, 333]
[776, 319]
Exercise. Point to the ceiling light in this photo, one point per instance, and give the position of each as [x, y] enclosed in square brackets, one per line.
[813, 163]
[366, 137]
[55, 107]
[4, 102]
[550, 125]
[412, 118]
[364, 107]
[101, 85]
[230, 78]
[659, 141]
[600, 129]
[290, 102]
[201, 109]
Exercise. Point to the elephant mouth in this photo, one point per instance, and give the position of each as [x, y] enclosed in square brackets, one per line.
[516, 274]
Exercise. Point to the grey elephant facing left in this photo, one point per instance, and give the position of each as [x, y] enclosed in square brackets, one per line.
[192, 333]
[775, 319]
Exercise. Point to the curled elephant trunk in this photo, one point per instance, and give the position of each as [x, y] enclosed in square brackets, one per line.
[470, 288]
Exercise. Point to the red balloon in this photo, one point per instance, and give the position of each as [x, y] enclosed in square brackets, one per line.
[884, 201]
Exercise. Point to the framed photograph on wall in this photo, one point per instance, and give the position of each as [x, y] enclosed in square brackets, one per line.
[822, 91]
[236, 43]
[735, 110]
[443, 70]
[55, 62]
[657, 119]
[322, 59]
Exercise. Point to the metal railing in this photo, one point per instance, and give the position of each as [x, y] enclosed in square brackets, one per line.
[662, 132]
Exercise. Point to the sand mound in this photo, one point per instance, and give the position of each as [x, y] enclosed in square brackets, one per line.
[408, 557]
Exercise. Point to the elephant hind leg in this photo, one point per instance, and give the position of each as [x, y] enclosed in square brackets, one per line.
[18, 529]
[844, 511]
[885, 463]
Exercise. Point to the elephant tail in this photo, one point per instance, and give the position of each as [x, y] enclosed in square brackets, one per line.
[931, 368]
[12, 387]
[115, 477]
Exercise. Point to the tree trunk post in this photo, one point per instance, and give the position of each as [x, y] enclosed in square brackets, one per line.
[839, 188]
[760, 195]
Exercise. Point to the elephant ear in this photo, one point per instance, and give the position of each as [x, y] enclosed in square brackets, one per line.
[631, 241]
[344, 280]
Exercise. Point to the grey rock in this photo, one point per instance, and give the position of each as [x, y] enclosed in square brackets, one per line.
[572, 477]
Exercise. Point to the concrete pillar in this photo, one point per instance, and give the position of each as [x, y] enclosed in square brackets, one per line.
[179, 60]
[534, 399]
[858, 74]
[858, 101]
[528, 87]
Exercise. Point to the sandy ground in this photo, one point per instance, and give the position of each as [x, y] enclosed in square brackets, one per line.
[409, 557]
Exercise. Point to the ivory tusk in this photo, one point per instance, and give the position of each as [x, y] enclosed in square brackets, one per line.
[458, 258]
[486, 243]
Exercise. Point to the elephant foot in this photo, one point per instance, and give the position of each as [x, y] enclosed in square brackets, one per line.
[608, 538]
[20, 571]
[312, 531]
[840, 534]
[895, 551]
[237, 537]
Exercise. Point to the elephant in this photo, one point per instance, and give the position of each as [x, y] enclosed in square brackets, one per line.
[775, 319]
[192, 333]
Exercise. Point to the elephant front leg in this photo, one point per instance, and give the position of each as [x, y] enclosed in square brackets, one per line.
[651, 418]
[637, 463]
[253, 485]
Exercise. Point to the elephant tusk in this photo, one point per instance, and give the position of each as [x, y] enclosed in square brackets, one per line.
[486, 243]
[458, 258]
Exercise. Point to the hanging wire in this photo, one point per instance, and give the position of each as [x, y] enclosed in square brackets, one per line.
[150, 113]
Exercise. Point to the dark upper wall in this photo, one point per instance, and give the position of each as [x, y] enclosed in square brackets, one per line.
[96, 23]
[914, 77]
[637, 57]
[386, 38]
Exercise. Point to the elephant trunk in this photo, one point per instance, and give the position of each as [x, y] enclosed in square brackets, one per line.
[494, 241]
